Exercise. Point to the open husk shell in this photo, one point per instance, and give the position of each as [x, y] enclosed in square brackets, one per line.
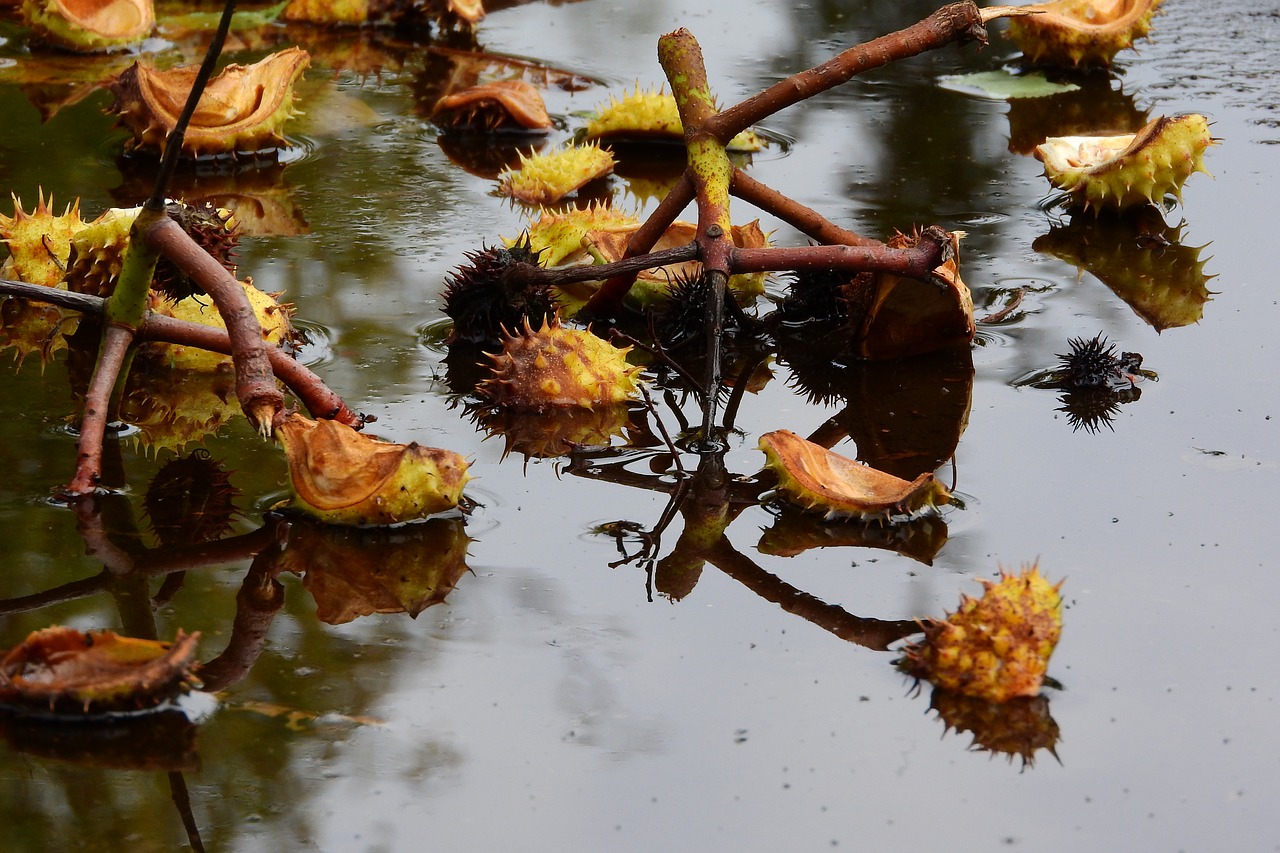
[1081, 32]
[341, 476]
[814, 478]
[244, 108]
[90, 26]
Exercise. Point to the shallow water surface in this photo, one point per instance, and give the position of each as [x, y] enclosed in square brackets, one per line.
[563, 698]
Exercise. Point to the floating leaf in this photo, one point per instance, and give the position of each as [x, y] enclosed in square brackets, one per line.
[243, 108]
[65, 671]
[341, 476]
[1081, 32]
[1003, 86]
[818, 480]
[175, 26]
[995, 648]
[1119, 172]
[557, 367]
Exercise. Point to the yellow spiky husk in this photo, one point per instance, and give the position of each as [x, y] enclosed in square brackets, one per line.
[39, 241]
[996, 647]
[1119, 172]
[555, 237]
[97, 252]
[652, 113]
[1077, 33]
[273, 316]
[556, 367]
[547, 178]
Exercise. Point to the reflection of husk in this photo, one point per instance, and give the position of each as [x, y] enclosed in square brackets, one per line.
[65, 671]
[1094, 108]
[555, 432]
[243, 108]
[90, 26]
[33, 327]
[340, 476]
[1141, 259]
[161, 741]
[794, 532]
[261, 202]
[1081, 32]
[997, 647]
[191, 501]
[487, 155]
[815, 479]
[354, 573]
[1020, 727]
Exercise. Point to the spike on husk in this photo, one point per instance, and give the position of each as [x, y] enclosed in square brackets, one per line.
[90, 26]
[546, 178]
[555, 367]
[340, 476]
[997, 647]
[1119, 172]
[815, 479]
[1077, 33]
[39, 242]
[243, 109]
[652, 113]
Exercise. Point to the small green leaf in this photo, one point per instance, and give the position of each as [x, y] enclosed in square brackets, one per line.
[1001, 85]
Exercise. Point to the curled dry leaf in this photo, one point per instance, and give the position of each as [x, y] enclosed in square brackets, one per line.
[557, 367]
[243, 109]
[506, 104]
[341, 476]
[997, 647]
[1081, 32]
[66, 671]
[546, 178]
[90, 26]
[814, 478]
[353, 573]
[1119, 172]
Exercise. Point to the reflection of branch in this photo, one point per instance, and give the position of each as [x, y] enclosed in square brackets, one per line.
[259, 600]
[875, 634]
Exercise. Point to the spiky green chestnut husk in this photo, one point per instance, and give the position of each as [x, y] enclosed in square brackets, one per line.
[1119, 172]
[39, 241]
[651, 113]
[97, 252]
[273, 317]
[546, 178]
[1076, 33]
[555, 367]
[997, 647]
[90, 26]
